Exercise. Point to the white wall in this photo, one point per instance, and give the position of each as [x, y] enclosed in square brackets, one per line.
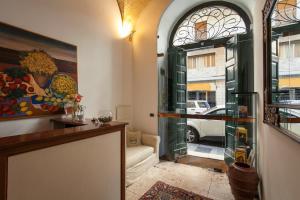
[91, 25]
[145, 79]
[279, 160]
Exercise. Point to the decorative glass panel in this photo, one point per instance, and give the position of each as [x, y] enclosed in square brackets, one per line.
[286, 12]
[209, 23]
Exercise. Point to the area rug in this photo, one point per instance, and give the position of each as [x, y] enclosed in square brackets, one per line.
[163, 191]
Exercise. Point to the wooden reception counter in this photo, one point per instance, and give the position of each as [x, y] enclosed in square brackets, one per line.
[82, 162]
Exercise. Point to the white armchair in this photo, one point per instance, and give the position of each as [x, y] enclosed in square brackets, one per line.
[141, 157]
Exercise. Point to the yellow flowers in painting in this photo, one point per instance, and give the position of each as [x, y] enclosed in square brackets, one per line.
[39, 62]
[63, 84]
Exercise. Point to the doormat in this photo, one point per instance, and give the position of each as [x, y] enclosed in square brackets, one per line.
[163, 191]
[203, 162]
[202, 149]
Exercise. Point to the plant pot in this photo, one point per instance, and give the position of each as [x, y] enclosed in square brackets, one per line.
[243, 180]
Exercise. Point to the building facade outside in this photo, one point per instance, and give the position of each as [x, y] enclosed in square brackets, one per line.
[206, 75]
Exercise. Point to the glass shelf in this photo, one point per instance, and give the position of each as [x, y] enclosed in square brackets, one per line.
[241, 135]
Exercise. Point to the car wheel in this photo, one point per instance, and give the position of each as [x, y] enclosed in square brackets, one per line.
[192, 135]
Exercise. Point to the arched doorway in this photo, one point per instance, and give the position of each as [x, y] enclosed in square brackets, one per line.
[209, 25]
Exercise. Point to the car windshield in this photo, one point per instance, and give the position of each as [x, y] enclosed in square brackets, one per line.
[215, 111]
[203, 104]
[218, 112]
[191, 104]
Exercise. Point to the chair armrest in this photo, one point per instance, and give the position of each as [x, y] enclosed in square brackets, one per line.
[151, 140]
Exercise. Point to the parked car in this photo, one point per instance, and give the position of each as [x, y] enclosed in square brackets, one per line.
[197, 106]
[199, 128]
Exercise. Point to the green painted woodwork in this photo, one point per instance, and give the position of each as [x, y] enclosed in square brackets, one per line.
[239, 79]
[177, 84]
[231, 85]
[275, 68]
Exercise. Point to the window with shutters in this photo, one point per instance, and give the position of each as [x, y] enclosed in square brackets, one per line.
[203, 60]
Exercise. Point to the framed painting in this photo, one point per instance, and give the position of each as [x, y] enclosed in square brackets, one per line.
[38, 75]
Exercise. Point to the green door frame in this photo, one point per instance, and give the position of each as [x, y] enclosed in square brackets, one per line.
[177, 92]
[239, 78]
[177, 65]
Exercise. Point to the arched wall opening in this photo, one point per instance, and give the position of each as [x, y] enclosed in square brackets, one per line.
[145, 90]
[177, 9]
[170, 22]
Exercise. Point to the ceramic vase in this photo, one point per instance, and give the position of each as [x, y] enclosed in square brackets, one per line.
[243, 181]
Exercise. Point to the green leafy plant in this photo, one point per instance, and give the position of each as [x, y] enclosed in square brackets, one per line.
[16, 72]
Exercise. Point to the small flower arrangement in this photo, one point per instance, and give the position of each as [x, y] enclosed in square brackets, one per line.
[76, 99]
[73, 106]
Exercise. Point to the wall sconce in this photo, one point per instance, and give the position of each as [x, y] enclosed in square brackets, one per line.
[126, 30]
[130, 37]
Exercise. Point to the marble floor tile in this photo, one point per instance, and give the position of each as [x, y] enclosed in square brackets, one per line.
[131, 196]
[220, 191]
[191, 178]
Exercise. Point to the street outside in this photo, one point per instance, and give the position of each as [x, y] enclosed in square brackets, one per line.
[206, 151]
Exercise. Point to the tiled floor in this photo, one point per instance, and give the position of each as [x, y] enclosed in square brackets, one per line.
[198, 180]
[206, 151]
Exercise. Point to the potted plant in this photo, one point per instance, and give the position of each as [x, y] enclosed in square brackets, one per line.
[73, 107]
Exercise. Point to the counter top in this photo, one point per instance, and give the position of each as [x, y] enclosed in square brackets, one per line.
[23, 143]
[38, 140]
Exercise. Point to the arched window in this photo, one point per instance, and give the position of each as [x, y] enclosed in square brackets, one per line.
[286, 12]
[210, 21]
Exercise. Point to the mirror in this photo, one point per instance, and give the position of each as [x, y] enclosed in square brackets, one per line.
[285, 34]
[290, 121]
[282, 65]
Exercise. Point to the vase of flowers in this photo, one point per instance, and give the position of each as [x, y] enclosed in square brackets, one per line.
[68, 107]
[76, 105]
[73, 107]
[80, 112]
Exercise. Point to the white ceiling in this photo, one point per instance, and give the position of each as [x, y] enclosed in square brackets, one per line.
[132, 8]
[249, 4]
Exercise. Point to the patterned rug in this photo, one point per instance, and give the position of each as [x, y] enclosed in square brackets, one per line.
[163, 191]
